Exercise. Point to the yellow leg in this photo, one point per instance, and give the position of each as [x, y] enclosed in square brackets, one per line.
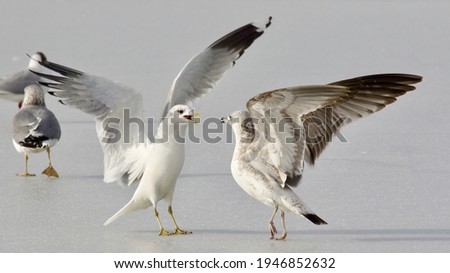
[162, 231]
[50, 171]
[26, 168]
[177, 229]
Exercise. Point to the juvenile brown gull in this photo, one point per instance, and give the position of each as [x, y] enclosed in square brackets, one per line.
[284, 128]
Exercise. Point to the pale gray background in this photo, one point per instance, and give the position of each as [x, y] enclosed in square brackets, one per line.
[386, 190]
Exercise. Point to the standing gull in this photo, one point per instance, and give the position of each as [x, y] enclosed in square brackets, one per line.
[158, 164]
[35, 128]
[12, 87]
[284, 128]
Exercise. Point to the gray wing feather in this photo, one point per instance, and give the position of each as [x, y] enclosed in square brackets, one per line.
[368, 94]
[280, 148]
[37, 122]
[11, 88]
[108, 102]
[205, 69]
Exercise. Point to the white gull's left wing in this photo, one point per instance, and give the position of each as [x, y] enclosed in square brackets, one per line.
[205, 69]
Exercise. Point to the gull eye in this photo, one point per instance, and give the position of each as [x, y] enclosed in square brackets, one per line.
[180, 111]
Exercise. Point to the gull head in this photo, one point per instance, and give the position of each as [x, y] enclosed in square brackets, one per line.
[182, 114]
[35, 60]
[34, 95]
[236, 117]
[242, 123]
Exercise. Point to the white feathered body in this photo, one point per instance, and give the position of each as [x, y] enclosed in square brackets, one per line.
[157, 182]
[159, 168]
[264, 189]
[263, 185]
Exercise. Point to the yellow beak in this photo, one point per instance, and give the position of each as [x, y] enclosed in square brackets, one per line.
[193, 120]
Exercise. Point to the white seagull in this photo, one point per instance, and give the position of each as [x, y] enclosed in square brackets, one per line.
[12, 87]
[35, 128]
[157, 165]
[284, 128]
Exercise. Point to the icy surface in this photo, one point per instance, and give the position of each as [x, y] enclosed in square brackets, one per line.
[385, 190]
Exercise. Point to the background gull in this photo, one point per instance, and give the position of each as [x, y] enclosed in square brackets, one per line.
[284, 128]
[12, 87]
[35, 128]
[156, 165]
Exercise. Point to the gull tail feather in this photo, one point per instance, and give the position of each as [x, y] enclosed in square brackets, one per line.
[129, 207]
[315, 219]
[301, 209]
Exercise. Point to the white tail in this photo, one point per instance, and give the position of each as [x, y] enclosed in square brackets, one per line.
[129, 207]
[298, 207]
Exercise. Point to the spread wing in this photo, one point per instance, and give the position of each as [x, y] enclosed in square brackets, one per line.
[280, 141]
[368, 94]
[205, 69]
[110, 103]
[107, 100]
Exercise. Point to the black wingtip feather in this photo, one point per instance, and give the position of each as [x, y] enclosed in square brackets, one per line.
[46, 84]
[270, 22]
[50, 77]
[393, 81]
[241, 38]
[315, 219]
[33, 141]
[294, 180]
[61, 69]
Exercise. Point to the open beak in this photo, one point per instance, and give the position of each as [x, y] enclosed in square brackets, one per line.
[190, 117]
